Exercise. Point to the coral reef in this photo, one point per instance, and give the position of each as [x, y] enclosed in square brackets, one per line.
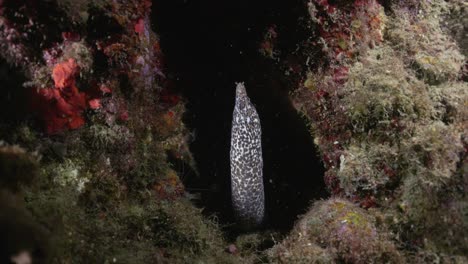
[337, 231]
[91, 129]
[104, 124]
[391, 136]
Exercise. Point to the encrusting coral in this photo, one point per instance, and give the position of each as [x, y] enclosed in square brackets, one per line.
[383, 89]
[393, 138]
[103, 122]
[390, 122]
[336, 230]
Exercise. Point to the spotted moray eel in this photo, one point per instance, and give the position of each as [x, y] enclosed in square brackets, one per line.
[247, 191]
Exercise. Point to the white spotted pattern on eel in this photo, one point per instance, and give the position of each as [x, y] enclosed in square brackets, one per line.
[247, 191]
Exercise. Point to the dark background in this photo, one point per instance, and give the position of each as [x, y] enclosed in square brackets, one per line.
[208, 46]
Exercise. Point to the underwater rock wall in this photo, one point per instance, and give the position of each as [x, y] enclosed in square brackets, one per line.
[84, 158]
[99, 126]
[388, 112]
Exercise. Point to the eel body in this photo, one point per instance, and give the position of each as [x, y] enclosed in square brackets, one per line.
[247, 189]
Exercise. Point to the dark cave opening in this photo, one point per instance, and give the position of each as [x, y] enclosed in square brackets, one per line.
[208, 46]
[13, 102]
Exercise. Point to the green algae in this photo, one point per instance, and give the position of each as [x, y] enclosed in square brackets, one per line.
[333, 231]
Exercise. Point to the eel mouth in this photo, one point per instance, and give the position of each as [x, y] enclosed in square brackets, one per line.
[211, 45]
[240, 90]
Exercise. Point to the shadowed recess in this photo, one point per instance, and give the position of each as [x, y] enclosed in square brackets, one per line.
[210, 45]
[14, 98]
